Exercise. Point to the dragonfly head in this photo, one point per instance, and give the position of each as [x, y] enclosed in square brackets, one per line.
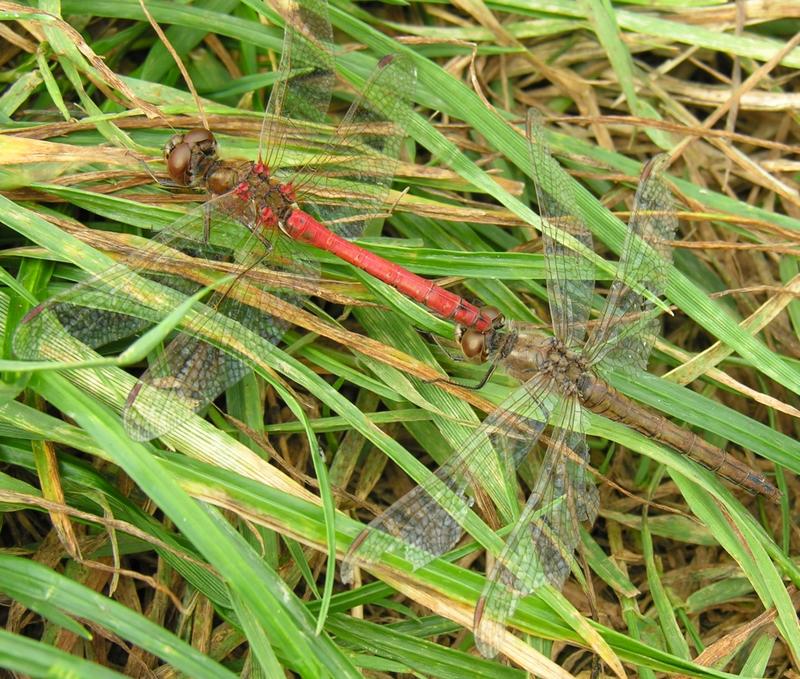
[483, 344]
[190, 155]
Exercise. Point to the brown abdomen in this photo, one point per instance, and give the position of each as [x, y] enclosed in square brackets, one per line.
[603, 399]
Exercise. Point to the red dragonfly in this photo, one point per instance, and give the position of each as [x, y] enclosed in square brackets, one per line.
[562, 377]
[252, 221]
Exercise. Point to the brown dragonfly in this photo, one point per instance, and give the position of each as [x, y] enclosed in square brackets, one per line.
[562, 377]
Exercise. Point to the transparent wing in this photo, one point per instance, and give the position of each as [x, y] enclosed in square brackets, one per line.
[629, 321]
[302, 90]
[101, 310]
[356, 168]
[198, 365]
[131, 296]
[570, 276]
[426, 521]
[540, 548]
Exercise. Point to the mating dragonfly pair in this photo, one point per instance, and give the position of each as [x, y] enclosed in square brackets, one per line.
[257, 214]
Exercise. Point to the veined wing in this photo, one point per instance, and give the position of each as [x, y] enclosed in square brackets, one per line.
[129, 297]
[101, 310]
[357, 166]
[629, 321]
[570, 276]
[426, 522]
[540, 549]
[199, 363]
[305, 78]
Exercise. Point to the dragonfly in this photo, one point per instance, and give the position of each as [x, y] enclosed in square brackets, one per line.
[253, 221]
[563, 376]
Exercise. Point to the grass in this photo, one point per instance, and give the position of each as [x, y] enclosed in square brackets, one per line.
[117, 555]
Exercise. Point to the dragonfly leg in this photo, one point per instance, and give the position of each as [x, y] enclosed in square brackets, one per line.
[473, 387]
[458, 358]
[166, 183]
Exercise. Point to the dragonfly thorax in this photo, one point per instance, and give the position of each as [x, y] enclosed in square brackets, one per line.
[534, 354]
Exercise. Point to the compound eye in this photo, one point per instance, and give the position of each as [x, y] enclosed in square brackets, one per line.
[201, 141]
[178, 160]
[199, 136]
[473, 344]
[174, 140]
[493, 313]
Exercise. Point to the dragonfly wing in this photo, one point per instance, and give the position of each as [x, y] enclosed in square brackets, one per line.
[540, 548]
[426, 521]
[202, 361]
[104, 308]
[570, 275]
[629, 321]
[131, 296]
[357, 166]
[302, 90]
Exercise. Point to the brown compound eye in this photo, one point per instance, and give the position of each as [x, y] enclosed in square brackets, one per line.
[473, 344]
[493, 313]
[174, 141]
[178, 160]
[199, 136]
[201, 139]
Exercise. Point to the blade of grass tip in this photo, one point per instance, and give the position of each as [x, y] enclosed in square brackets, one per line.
[50, 83]
[300, 560]
[277, 609]
[605, 567]
[49, 610]
[329, 509]
[23, 292]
